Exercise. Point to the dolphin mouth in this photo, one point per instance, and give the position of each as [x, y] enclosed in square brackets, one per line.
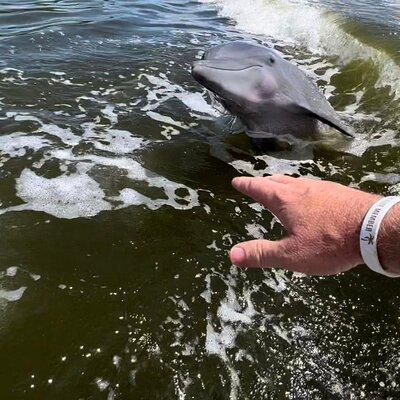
[230, 69]
[208, 65]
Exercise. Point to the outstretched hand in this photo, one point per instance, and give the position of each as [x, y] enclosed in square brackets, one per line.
[322, 220]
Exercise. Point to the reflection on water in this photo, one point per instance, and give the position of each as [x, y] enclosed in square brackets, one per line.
[116, 210]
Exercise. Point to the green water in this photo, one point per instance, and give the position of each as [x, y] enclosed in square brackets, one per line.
[117, 213]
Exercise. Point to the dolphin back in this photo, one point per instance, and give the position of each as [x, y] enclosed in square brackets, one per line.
[304, 97]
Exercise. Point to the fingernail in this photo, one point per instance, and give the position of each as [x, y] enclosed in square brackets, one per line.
[238, 255]
[237, 179]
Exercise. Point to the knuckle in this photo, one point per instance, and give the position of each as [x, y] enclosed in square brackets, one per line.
[259, 254]
[289, 197]
[277, 198]
[293, 253]
[249, 184]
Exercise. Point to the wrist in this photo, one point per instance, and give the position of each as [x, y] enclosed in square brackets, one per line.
[354, 229]
[388, 241]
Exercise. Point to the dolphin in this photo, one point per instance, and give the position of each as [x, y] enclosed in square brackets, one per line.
[270, 95]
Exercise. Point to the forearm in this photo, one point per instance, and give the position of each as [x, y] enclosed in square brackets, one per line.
[389, 241]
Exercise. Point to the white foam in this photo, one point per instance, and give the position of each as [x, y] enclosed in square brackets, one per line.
[165, 119]
[67, 196]
[138, 173]
[35, 277]
[117, 361]
[22, 116]
[65, 134]
[12, 295]
[169, 131]
[282, 333]
[390, 178]
[274, 166]
[256, 231]
[359, 146]
[109, 113]
[196, 102]
[218, 342]
[276, 280]
[57, 191]
[395, 189]
[11, 271]
[206, 295]
[78, 195]
[130, 197]
[118, 141]
[17, 144]
[162, 90]
[9, 69]
[102, 384]
[228, 313]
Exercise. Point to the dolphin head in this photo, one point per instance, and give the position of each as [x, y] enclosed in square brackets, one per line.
[266, 92]
[242, 75]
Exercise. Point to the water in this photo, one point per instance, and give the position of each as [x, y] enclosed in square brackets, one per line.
[117, 212]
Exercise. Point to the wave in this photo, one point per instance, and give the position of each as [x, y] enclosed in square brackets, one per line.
[310, 27]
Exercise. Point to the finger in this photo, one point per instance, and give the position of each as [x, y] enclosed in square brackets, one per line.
[285, 179]
[267, 254]
[266, 192]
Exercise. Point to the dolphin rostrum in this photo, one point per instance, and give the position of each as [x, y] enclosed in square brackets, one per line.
[270, 95]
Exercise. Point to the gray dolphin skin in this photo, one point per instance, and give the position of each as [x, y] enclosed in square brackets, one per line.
[270, 95]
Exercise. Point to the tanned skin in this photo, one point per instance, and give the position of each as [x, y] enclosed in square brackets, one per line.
[322, 220]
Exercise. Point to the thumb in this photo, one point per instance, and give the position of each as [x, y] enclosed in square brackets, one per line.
[264, 254]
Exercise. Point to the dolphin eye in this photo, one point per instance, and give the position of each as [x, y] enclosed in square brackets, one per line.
[272, 59]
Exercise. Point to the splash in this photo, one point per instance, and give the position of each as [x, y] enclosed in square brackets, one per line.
[300, 24]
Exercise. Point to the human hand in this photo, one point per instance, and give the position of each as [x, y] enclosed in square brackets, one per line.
[323, 221]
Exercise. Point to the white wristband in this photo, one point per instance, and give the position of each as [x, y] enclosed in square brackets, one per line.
[369, 234]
